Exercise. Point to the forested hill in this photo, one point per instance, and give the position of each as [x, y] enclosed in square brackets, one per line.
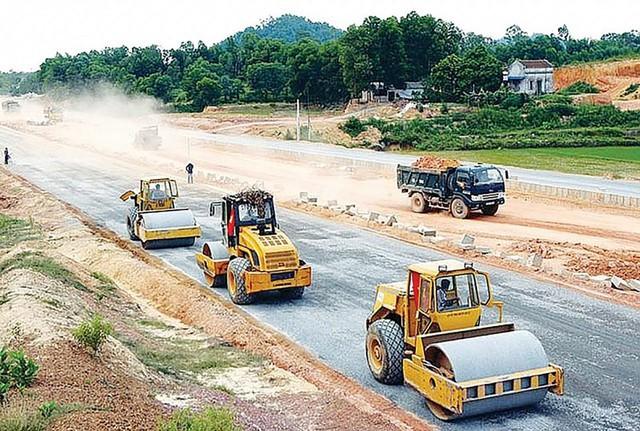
[291, 28]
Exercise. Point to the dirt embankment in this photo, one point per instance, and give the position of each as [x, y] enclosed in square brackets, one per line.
[145, 372]
[613, 79]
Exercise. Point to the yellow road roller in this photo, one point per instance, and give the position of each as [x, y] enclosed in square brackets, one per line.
[254, 254]
[153, 218]
[427, 331]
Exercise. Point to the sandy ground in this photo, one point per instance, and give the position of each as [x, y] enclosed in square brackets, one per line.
[293, 390]
[572, 237]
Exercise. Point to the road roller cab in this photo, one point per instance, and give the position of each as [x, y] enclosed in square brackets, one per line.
[254, 254]
[429, 332]
[154, 219]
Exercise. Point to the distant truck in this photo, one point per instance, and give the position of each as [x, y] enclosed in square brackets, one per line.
[10, 106]
[148, 139]
[458, 190]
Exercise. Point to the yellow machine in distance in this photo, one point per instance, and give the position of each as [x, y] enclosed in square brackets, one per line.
[427, 332]
[155, 221]
[254, 254]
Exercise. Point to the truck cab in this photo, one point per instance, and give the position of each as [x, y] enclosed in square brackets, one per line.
[459, 190]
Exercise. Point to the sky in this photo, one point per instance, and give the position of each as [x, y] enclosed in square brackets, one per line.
[32, 30]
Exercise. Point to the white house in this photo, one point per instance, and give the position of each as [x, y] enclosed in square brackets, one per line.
[532, 77]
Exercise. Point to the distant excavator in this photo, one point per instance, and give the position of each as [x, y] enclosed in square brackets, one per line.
[155, 221]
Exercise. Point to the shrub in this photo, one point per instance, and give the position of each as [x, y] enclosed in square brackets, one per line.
[48, 409]
[444, 109]
[210, 419]
[23, 370]
[93, 333]
[352, 127]
[631, 89]
[579, 87]
[16, 370]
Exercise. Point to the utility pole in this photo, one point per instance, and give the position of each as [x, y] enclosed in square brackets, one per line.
[308, 119]
[297, 119]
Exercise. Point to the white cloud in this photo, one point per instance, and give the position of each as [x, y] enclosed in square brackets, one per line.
[31, 30]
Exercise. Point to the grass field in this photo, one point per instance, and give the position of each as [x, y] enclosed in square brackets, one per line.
[613, 162]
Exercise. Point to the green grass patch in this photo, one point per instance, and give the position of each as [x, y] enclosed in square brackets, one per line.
[631, 89]
[14, 231]
[270, 110]
[181, 358]
[579, 87]
[209, 419]
[153, 323]
[36, 261]
[106, 286]
[615, 162]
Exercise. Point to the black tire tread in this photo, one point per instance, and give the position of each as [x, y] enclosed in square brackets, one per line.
[238, 267]
[391, 337]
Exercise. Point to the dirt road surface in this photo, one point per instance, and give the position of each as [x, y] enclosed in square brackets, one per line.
[595, 341]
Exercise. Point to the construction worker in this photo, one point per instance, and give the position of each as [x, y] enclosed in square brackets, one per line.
[189, 169]
[7, 157]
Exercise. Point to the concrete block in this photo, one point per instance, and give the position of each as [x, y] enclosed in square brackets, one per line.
[352, 211]
[349, 206]
[332, 203]
[337, 209]
[467, 240]
[373, 216]
[634, 285]
[534, 260]
[426, 231]
[601, 278]
[304, 196]
[312, 200]
[437, 239]
[483, 250]
[580, 275]
[517, 259]
[467, 247]
[619, 284]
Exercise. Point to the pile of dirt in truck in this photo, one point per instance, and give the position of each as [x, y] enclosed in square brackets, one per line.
[435, 163]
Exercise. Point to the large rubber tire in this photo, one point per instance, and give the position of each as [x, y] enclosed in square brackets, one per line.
[490, 210]
[459, 209]
[132, 233]
[385, 351]
[418, 203]
[235, 281]
[292, 292]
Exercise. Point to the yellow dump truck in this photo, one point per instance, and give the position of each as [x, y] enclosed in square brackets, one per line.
[428, 331]
[154, 219]
[254, 254]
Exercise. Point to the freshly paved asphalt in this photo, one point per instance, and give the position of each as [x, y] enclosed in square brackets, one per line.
[597, 343]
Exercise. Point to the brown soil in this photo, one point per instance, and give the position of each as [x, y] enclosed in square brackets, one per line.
[611, 78]
[339, 403]
[434, 162]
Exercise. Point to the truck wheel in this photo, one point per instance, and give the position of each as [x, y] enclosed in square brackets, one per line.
[293, 292]
[489, 210]
[459, 209]
[418, 204]
[235, 281]
[132, 233]
[385, 350]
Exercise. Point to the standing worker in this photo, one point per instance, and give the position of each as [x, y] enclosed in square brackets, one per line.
[7, 157]
[189, 169]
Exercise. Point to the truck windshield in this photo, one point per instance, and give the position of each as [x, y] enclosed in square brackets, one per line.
[487, 175]
[249, 214]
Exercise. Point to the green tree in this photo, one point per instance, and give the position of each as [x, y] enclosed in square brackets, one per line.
[208, 92]
[267, 80]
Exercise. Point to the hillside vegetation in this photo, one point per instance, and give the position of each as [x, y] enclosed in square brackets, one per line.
[291, 28]
[271, 62]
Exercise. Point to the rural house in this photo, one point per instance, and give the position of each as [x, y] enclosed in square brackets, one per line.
[531, 77]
